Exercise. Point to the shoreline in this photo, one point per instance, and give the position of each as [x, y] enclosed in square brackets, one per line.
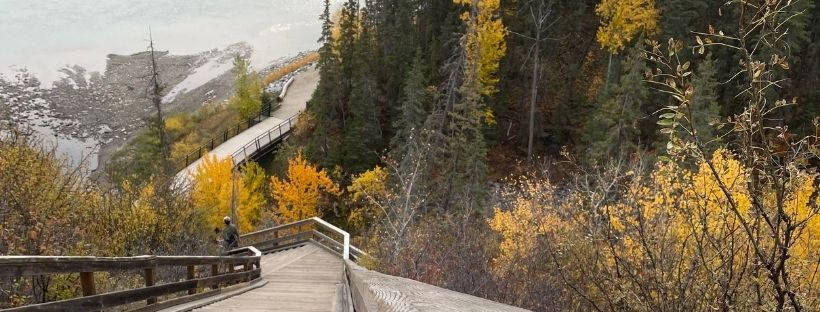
[102, 112]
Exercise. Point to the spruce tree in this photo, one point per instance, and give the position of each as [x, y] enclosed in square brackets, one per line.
[362, 137]
[705, 112]
[413, 109]
[613, 128]
[322, 146]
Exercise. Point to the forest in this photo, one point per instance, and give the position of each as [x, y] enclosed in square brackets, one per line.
[587, 155]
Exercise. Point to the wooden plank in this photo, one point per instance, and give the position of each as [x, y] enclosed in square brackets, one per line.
[38, 265]
[274, 243]
[31, 266]
[87, 284]
[150, 277]
[198, 301]
[374, 291]
[203, 260]
[214, 272]
[266, 234]
[307, 278]
[191, 270]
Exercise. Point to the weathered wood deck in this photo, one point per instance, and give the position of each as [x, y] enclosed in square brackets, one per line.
[312, 278]
[306, 271]
[301, 279]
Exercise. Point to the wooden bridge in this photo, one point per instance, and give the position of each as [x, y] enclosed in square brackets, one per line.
[307, 265]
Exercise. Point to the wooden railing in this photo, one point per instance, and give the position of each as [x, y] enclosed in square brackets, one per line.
[240, 265]
[298, 233]
[205, 275]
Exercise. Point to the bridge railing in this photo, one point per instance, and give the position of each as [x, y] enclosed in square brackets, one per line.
[299, 232]
[226, 134]
[240, 265]
[272, 136]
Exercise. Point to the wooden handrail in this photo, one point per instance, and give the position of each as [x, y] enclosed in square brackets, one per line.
[270, 238]
[223, 268]
[248, 258]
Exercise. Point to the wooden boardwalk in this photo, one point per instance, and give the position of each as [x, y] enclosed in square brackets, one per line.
[300, 279]
[311, 278]
[306, 269]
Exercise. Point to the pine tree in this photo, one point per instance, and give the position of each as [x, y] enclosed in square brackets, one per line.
[347, 47]
[679, 17]
[322, 145]
[704, 106]
[362, 138]
[413, 110]
[613, 128]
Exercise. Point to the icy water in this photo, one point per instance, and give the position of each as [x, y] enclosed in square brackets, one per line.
[46, 35]
[43, 36]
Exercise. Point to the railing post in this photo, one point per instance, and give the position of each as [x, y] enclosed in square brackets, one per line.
[192, 275]
[150, 277]
[346, 253]
[230, 270]
[87, 283]
[215, 272]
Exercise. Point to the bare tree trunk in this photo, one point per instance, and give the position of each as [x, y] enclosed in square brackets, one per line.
[539, 19]
[156, 99]
[534, 96]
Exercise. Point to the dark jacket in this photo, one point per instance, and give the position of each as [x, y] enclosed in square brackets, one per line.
[231, 237]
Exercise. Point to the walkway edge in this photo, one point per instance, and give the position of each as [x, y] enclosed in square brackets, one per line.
[228, 293]
[363, 298]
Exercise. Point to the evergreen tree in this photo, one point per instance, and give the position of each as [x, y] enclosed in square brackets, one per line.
[362, 137]
[704, 106]
[613, 128]
[347, 47]
[413, 110]
[679, 17]
[362, 140]
[322, 145]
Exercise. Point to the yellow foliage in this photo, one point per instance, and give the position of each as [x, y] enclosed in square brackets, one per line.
[533, 215]
[215, 185]
[177, 123]
[291, 67]
[485, 42]
[623, 20]
[680, 219]
[369, 184]
[298, 196]
[186, 145]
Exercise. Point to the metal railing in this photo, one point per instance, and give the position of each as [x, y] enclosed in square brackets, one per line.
[272, 136]
[227, 134]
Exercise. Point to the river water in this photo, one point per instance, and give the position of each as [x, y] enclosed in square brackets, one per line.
[43, 36]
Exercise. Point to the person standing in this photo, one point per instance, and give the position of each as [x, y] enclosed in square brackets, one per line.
[231, 235]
